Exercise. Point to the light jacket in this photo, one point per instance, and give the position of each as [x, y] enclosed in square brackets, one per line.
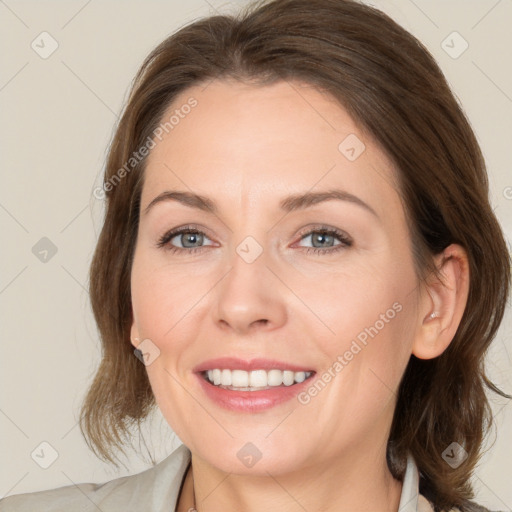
[156, 490]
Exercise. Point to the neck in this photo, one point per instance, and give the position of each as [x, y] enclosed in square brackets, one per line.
[359, 480]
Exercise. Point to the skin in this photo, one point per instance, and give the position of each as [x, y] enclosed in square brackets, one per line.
[247, 147]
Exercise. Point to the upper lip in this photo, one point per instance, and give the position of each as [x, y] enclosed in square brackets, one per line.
[234, 363]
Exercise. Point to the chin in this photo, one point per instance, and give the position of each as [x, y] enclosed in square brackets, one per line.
[255, 458]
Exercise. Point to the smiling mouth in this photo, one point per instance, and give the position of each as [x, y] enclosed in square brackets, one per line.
[255, 380]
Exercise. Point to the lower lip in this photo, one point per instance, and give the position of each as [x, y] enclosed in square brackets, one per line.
[251, 401]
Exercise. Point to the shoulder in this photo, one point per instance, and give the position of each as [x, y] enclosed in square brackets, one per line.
[153, 489]
[425, 506]
[474, 507]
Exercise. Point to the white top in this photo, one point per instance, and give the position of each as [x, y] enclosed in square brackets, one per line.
[156, 490]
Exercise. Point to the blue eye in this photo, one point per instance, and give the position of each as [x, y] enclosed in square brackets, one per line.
[324, 237]
[189, 237]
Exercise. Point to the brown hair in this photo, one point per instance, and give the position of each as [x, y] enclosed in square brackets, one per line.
[391, 86]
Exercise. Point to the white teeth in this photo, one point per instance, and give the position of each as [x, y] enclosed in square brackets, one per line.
[288, 378]
[254, 379]
[300, 376]
[258, 379]
[239, 378]
[225, 378]
[275, 377]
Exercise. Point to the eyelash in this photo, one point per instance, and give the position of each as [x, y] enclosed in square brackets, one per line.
[342, 237]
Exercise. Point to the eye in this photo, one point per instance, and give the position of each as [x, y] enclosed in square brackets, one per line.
[324, 238]
[188, 238]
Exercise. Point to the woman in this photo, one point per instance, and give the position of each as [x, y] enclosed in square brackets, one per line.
[300, 252]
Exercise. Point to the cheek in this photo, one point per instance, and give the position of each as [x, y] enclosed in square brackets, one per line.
[163, 297]
[162, 301]
[366, 364]
[352, 298]
[370, 313]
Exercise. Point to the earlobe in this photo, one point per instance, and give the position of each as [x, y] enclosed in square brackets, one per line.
[442, 303]
[134, 334]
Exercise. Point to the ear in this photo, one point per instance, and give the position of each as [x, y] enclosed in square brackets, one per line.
[134, 333]
[442, 303]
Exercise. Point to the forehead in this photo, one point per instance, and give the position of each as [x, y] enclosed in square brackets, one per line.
[241, 142]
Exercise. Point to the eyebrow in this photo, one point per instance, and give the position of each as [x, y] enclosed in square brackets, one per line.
[288, 204]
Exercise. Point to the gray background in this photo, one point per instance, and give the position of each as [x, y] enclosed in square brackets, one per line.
[58, 115]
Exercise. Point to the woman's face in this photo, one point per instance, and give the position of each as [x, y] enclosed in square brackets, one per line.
[262, 281]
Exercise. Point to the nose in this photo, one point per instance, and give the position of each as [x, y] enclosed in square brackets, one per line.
[250, 297]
